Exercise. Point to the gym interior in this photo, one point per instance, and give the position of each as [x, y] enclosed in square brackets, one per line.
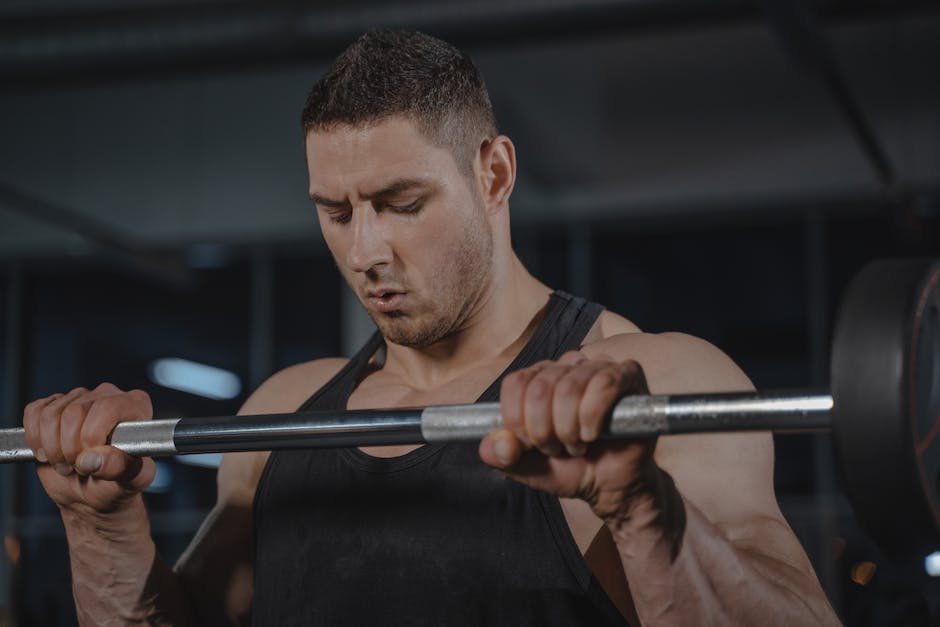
[721, 168]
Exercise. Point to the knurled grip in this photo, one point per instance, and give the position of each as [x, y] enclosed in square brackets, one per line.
[146, 438]
[633, 416]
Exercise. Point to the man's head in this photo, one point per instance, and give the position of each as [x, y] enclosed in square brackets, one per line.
[410, 181]
[411, 75]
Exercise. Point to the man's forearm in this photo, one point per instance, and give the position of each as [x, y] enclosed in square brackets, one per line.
[117, 576]
[684, 570]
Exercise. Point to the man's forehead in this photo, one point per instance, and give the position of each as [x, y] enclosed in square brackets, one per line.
[369, 158]
[386, 133]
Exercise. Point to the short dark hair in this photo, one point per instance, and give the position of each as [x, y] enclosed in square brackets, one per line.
[389, 73]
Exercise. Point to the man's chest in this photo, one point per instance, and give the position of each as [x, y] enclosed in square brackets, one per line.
[380, 389]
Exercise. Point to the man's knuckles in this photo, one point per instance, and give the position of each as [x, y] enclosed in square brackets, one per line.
[572, 357]
[142, 400]
[106, 389]
[633, 376]
[106, 412]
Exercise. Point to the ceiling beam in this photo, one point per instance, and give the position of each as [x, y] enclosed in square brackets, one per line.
[43, 43]
[128, 254]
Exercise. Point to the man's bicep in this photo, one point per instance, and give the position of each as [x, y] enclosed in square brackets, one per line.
[287, 389]
[219, 561]
[728, 477]
[218, 564]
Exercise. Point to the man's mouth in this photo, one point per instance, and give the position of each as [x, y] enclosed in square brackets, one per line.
[385, 300]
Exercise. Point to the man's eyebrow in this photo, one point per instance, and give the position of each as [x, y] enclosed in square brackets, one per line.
[327, 202]
[395, 187]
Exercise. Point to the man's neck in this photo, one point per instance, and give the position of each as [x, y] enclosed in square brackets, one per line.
[499, 325]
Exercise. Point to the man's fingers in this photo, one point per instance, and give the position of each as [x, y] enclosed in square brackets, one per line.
[108, 411]
[70, 433]
[537, 409]
[115, 465]
[31, 415]
[70, 428]
[561, 406]
[566, 402]
[512, 398]
[49, 445]
[501, 449]
[605, 387]
[601, 392]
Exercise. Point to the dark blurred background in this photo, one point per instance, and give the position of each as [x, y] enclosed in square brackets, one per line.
[718, 167]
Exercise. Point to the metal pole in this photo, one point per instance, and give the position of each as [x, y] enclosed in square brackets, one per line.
[12, 382]
[817, 312]
[525, 241]
[262, 317]
[579, 259]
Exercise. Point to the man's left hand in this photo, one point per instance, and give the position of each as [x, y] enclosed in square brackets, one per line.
[553, 413]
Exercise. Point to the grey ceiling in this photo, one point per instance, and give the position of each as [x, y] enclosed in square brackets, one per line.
[698, 116]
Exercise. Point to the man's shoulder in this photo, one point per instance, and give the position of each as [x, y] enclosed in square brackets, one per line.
[287, 389]
[283, 392]
[674, 363]
[609, 324]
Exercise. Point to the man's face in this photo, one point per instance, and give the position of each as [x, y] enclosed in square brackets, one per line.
[406, 227]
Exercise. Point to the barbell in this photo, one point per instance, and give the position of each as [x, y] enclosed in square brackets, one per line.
[882, 412]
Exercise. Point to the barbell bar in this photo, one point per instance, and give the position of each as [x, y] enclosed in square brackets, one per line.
[632, 416]
[883, 412]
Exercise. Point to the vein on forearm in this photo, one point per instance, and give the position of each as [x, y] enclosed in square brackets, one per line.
[117, 576]
[712, 579]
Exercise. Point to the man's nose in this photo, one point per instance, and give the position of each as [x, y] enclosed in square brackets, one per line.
[369, 247]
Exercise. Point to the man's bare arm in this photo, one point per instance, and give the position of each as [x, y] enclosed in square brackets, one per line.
[694, 520]
[118, 577]
[737, 562]
[219, 560]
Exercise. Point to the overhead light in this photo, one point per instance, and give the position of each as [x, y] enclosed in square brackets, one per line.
[205, 460]
[932, 564]
[195, 378]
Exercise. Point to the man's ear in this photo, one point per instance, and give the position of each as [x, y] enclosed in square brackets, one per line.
[497, 172]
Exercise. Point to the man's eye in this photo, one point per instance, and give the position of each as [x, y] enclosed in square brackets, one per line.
[409, 208]
[340, 217]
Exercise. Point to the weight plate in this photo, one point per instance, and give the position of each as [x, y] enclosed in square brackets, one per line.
[924, 392]
[886, 397]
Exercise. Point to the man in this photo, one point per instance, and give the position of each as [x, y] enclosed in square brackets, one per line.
[411, 183]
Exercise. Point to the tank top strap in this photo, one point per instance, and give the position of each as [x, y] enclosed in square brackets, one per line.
[339, 388]
[565, 324]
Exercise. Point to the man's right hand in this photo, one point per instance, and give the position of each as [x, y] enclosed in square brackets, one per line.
[78, 469]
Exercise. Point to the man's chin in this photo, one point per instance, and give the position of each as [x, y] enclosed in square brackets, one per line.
[397, 330]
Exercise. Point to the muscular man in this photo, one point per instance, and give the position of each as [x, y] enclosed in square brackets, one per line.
[541, 524]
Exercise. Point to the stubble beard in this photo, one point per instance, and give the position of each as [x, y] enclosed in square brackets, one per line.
[453, 290]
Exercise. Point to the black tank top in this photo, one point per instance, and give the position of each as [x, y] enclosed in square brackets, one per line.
[433, 537]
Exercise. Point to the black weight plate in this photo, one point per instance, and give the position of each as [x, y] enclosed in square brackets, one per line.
[886, 413]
